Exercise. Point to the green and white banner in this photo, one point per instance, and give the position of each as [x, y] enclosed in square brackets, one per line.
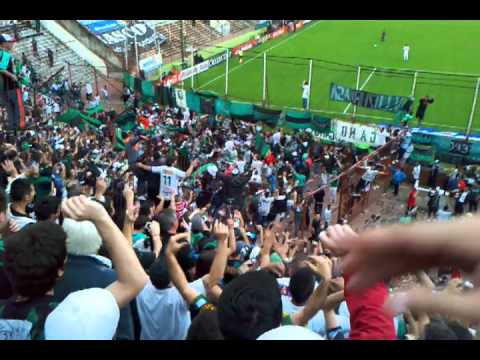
[353, 133]
[180, 98]
[365, 99]
[357, 133]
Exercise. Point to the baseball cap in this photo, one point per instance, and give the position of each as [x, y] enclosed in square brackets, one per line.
[5, 38]
[290, 332]
[235, 171]
[90, 314]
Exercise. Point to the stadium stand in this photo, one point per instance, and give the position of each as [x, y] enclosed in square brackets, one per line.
[199, 36]
[62, 55]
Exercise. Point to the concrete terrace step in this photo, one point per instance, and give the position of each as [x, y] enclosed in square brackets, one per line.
[79, 71]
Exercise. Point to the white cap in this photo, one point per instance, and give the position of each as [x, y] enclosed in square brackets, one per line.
[90, 314]
[290, 332]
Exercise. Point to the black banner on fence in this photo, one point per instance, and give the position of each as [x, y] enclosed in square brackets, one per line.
[365, 99]
[268, 116]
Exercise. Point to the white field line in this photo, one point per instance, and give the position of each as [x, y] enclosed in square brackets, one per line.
[261, 54]
[361, 88]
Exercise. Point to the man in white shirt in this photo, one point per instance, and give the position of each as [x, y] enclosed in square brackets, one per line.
[406, 50]
[276, 138]
[382, 137]
[105, 93]
[305, 94]
[229, 145]
[163, 313]
[240, 164]
[88, 90]
[186, 114]
[416, 171]
[264, 205]
[257, 164]
[301, 285]
[367, 178]
[56, 108]
[170, 177]
[256, 178]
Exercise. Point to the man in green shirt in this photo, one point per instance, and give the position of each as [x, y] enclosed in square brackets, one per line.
[300, 179]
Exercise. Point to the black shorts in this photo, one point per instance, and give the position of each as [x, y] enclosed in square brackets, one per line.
[318, 207]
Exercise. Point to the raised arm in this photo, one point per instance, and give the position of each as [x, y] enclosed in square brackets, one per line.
[131, 276]
[192, 167]
[156, 239]
[217, 270]
[173, 204]
[322, 267]
[425, 280]
[176, 273]
[131, 213]
[160, 205]
[145, 167]
[268, 240]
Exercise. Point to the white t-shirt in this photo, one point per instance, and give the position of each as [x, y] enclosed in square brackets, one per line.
[48, 108]
[306, 91]
[276, 138]
[257, 165]
[164, 314]
[256, 178]
[105, 93]
[327, 215]
[186, 115]
[240, 165]
[317, 323]
[370, 175]
[416, 172]
[264, 205]
[406, 49]
[88, 89]
[382, 137]
[229, 145]
[170, 179]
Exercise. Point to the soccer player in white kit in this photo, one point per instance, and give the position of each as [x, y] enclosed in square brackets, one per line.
[406, 50]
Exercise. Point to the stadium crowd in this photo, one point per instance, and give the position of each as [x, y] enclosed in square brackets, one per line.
[199, 234]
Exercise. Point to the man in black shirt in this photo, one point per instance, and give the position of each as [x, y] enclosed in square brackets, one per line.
[432, 178]
[318, 196]
[422, 108]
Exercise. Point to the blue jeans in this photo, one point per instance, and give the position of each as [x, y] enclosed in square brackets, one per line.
[305, 103]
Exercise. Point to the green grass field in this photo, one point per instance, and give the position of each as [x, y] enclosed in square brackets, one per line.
[436, 46]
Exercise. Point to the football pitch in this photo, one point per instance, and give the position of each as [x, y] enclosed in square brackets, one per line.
[445, 55]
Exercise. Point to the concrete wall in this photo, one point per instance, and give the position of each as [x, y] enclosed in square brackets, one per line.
[93, 44]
